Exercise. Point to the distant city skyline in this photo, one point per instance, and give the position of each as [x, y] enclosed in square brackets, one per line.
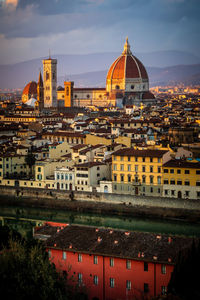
[29, 28]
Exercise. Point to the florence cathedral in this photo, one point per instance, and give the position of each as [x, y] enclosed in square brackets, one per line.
[127, 83]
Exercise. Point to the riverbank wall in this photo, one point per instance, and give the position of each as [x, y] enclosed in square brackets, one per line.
[103, 203]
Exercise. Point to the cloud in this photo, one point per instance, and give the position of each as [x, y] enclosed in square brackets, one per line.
[98, 25]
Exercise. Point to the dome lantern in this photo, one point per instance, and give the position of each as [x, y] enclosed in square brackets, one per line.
[127, 48]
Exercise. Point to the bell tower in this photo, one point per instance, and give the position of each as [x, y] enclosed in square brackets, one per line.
[50, 82]
[39, 105]
[68, 93]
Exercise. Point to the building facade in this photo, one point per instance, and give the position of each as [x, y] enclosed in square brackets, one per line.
[138, 172]
[50, 82]
[114, 264]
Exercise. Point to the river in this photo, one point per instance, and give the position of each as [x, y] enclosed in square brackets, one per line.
[24, 219]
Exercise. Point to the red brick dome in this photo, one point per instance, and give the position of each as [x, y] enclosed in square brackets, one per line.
[29, 90]
[127, 66]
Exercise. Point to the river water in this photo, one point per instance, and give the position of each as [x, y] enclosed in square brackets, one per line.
[24, 219]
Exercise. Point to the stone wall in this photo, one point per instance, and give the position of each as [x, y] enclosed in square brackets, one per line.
[126, 200]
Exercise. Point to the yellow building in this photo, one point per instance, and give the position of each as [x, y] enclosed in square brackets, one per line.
[13, 166]
[138, 172]
[181, 179]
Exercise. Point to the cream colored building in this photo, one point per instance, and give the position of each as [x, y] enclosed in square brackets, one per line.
[64, 178]
[88, 175]
[57, 150]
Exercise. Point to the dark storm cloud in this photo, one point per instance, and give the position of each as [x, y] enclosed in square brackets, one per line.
[163, 23]
[52, 7]
[41, 17]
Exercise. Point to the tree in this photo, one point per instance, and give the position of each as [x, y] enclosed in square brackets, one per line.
[30, 161]
[184, 281]
[26, 273]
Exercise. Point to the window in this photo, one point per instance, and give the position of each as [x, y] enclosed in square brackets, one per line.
[114, 167]
[179, 182]
[80, 278]
[158, 160]
[136, 159]
[151, 179]
[172, 171]
[129, 159]
[121, 167]
[172, 181]
[166, 192]
[187, 193]
[187, 182]
[121, 158]
[151, 159]
[143, 159]
[198, 194]
[146, 287]
[163, 269]
[151, 190]
[187, 171]
[115, 177]
[173, 192]
[112, 282]
[159, 180]
[128, 285]
[136, 168]
[129, 178]
[128, 264]
[163, 290]
[197, 183]
[64, 255]
[143, 169]
[145, 266]
[95, 280]
[166, 181]
[79, 257]
[159, 169]
[198, 172]
[165, 170]
[122, 177]
[143, 179]
[129, 168]
[111, 262]
[95, 260]
[178, 171]
[151, 169]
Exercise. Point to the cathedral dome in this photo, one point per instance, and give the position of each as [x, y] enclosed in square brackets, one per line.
[29, 91]
[127, 73]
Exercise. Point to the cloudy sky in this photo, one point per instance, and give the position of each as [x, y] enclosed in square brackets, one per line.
[29, 28]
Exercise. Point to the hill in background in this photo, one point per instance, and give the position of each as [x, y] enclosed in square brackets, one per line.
[90, 70]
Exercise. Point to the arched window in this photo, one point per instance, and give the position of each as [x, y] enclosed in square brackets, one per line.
[105, 189]
[117, 87]
[47, 75]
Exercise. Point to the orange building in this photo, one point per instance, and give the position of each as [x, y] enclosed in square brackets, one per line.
[113, 264]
